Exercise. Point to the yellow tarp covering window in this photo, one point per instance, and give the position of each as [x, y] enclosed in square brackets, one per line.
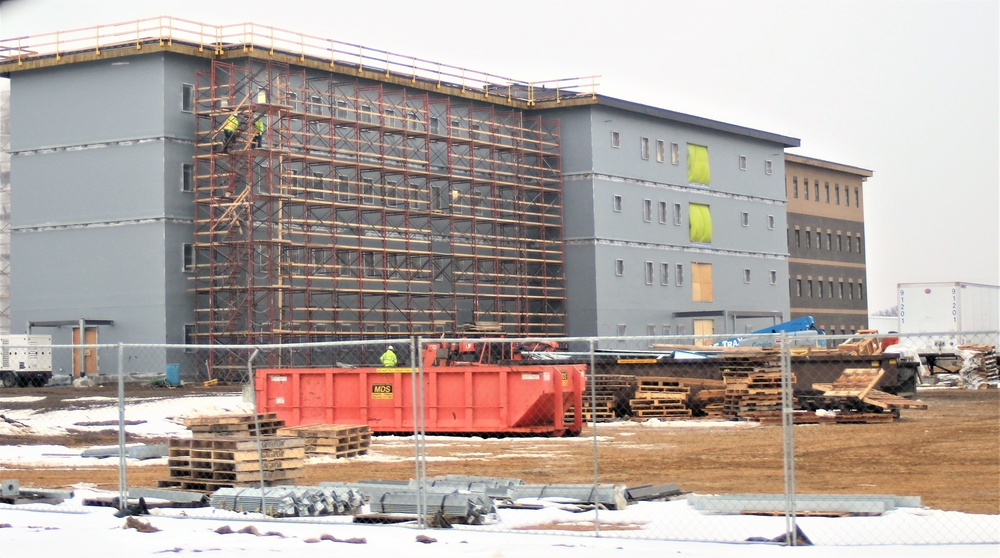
[700, 222]
[698, 164]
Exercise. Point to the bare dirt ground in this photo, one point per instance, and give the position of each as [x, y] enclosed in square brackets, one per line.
[949, 455]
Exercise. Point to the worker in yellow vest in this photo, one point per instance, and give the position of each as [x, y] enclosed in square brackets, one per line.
[388, 358]
[258, 130]
[229, 129]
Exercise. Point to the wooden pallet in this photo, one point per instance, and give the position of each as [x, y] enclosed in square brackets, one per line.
[893, 402]
[230, 460]
[336, 440]
[233, 425]
[854, 382]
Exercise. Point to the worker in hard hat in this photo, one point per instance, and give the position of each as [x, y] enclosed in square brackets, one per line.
[229, 130]
[388, 358]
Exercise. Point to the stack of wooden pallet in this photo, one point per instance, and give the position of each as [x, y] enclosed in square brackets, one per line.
[337, 440]
[751, 392]
[234, 425]
[209, 462]
[610, 397]
[660, 398]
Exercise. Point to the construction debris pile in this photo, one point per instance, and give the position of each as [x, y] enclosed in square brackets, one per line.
[979, 366]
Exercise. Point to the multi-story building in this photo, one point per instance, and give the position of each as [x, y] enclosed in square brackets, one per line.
[383, 198]
[826, 243]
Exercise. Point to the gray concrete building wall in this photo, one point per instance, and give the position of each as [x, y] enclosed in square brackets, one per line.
[636, 232]
[100, 217]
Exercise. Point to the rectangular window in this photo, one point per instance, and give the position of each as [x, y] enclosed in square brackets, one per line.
[650, 329]
[677, 214]
[187, 177]
[647, 210]
[665, 274]
[665, 328]
[850, 291]
[187, 97]
[836, 189]
[840, 243]
[770, 222]
[798, 287]
[805, 188]
[675, 154]
[620, 268]
[768, 167]
[827, 189]
[829, 241]
[367, 116]
[392, 194]
[847, 196]
[798, 238]
[621, 330]
[808, 239]
[413, 121]
[649, 273]
[661, 151]
[368, 191]
[616, 140]
[316, 189]
[819, 288]
[616, 203]
[745, 219]
[795, 187]
[190, 337]
[187, 264]
[743, 162]
[435, 125]
[701, 282]
[861, 292]
[816, 189]
[663, 212]
[341, 111]
[810, 285]
[644, 148]
[368, 264]
[679, 275]
[697, 164]
[343, 192]
[841, 289]
[774, 277]
[315, 104]
[746, 275]
[857, 197]
[857, 244]
[700, 223]
[320, 261]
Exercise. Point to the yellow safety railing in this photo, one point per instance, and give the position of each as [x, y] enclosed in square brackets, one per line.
[248, 37]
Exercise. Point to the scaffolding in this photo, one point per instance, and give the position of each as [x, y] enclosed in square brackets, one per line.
[369, 210]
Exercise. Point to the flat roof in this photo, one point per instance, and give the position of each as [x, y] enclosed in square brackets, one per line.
[830, 165]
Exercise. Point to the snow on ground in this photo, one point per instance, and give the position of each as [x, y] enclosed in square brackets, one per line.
[63, 528]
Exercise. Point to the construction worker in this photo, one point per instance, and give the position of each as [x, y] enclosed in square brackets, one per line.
[388, 358]
[258, 130]
[229, 129]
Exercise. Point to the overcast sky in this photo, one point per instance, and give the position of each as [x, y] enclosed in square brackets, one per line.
[906, 89]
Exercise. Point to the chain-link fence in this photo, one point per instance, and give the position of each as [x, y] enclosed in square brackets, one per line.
[795, 439]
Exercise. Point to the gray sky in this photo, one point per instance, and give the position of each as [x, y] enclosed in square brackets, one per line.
[906, 89]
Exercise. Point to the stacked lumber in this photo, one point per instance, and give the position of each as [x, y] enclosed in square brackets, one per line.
[233, 425]
[708, 403]
[751, 392]
[660, 398]
[982, 370]
[337, 440]
[207, 463]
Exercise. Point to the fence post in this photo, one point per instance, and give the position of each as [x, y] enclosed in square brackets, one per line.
[256, 425]
[122, 470]
[591, 373]
[788, 437]
[419, 450]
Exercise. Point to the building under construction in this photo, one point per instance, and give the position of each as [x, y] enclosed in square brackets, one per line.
[385, 195]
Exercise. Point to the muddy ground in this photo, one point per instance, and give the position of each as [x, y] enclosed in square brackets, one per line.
[949, 455]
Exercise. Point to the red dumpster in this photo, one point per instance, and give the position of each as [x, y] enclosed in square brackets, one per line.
[473, 399]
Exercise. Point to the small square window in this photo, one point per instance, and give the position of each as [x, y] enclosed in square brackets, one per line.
[743, 162]
[661, 151]
[620, 268]
[665, 329]
[644, 148]
[774, 277]
[617, 203]
[675, 154]
[615, 140]
[746, 275]
[768, 168]
[187, 97]
[770, 222]
[745, 219]
[650, 329]
[187, 177]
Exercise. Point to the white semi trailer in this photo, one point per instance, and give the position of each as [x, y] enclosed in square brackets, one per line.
[25, 360]
[951, 309]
